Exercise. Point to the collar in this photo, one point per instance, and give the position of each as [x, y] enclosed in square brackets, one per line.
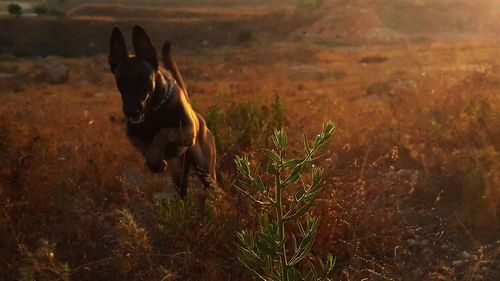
[166, 93]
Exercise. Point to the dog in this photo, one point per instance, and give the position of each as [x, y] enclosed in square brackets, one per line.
[160, 121]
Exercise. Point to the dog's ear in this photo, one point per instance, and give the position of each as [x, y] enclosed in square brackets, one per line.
[166, 49]
[117, 49]
[169, 64]
[165, 55]
[143, 47]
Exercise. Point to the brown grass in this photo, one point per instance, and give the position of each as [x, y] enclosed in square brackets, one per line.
[411, 182]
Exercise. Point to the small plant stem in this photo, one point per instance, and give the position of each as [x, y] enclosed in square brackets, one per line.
[281, 226]
[264, 253]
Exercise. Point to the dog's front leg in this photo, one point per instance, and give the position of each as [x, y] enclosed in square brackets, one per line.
[179, 137]
[155, 153]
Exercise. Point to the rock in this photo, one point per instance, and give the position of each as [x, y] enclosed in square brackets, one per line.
[6, 75]
[411, 242]
[161, 196]
[308, 68]
[54, 73]
[373, 59]
[403, 87]
[466, 255]
[132, 180]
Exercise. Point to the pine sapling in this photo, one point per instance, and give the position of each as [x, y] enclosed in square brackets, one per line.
[274, 252]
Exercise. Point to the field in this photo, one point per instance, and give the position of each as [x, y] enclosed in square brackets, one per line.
[412, 174]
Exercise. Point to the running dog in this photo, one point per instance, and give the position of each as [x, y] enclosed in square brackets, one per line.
[161, 123]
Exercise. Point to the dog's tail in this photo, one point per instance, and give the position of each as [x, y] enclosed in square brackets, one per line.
[170, 65]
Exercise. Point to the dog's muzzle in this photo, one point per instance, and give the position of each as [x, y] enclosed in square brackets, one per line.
[137, 116]
[136, 120]
[134, 115]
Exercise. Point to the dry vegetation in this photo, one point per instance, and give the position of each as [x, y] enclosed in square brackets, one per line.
[412, 177]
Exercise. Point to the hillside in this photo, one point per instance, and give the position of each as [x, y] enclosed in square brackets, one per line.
[384, 21]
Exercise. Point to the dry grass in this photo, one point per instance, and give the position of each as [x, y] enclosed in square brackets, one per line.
[412, 177]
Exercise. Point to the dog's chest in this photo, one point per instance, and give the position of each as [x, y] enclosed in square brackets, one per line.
[142, 137]
[153, 123]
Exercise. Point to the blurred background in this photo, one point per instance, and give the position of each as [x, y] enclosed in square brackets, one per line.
[216, 23]
[412, 175]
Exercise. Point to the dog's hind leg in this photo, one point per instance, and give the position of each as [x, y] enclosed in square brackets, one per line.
[206, 179]
[179, 170]
[204, 160]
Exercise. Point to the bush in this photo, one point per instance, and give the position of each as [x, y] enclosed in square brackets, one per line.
[373, 59]
[180, 216]
[245, 36]
[42, 264]
[40, 10]
[308, 4]
[379, 88]
[243, 126]
[274, 252]
[15, 10]
[55, 12]
[132, 245]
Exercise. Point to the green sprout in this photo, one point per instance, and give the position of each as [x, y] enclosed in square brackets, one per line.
[273, 252]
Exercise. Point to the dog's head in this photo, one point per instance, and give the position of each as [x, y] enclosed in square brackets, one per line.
[135, 75]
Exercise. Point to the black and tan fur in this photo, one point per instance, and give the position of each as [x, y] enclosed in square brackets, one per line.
[167, 131]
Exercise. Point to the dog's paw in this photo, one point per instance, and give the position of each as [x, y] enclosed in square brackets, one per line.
[158, 167]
